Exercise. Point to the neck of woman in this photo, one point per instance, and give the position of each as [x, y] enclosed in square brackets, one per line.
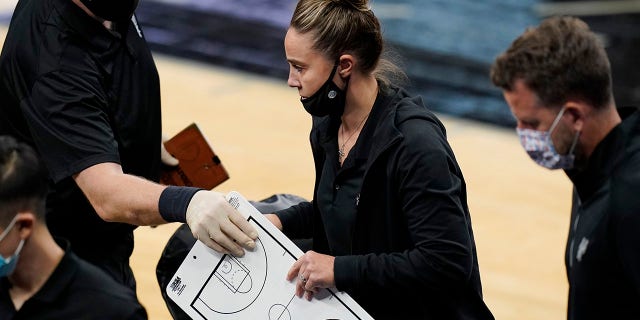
[361, 95]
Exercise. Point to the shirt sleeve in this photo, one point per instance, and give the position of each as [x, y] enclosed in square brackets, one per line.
[297, 221]
[67, 114]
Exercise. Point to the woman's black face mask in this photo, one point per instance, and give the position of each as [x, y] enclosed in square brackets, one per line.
[328, 100]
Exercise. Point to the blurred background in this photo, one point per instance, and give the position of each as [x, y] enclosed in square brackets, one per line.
[222, 65]
[446, 46]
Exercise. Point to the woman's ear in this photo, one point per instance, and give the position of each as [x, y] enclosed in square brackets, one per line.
[345, 65]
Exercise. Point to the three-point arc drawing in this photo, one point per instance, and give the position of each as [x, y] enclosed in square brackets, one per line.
[240, 278]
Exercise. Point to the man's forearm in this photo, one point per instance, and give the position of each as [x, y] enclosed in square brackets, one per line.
[119, 197]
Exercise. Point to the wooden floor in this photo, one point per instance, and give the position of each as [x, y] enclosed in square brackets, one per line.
[257, 126]
[260, 131]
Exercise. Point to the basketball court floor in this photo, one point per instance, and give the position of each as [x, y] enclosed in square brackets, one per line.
[257, 127]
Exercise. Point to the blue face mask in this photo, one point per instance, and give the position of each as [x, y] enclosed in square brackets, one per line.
[8, 265]
[539, 146]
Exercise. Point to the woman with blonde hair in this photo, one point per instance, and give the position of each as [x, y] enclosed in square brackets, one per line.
[389, 217]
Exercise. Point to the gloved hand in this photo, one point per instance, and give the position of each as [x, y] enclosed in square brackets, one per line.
[165, 156]
[218, 225]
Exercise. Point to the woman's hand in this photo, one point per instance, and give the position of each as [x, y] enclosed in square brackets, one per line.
[312, 272]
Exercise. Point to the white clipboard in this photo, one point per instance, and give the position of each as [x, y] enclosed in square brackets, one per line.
[210, 285]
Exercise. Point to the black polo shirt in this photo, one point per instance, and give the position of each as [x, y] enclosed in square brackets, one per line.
[75, 290]
[81, 95]
[339, 188]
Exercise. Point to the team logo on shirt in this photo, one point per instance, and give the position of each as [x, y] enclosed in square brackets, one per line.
[582, 248]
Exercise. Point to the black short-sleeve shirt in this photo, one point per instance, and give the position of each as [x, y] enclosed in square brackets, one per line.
[81, 95]
[75, 290]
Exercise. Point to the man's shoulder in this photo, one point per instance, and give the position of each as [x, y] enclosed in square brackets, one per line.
[627, 172]
[45, 44]
[88, 276]
[625, 183]
[101, 292]
[625, 177]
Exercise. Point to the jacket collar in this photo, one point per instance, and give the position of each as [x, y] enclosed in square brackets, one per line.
[606, 156]
[380, 125]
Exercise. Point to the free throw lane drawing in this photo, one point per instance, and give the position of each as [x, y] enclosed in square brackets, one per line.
[241, 278]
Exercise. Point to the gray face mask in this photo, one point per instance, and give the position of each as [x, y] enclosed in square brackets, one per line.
[539, 146]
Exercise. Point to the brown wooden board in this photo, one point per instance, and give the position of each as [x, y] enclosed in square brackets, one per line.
[199, 166]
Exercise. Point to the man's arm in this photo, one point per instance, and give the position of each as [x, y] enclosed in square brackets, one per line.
[119, 197]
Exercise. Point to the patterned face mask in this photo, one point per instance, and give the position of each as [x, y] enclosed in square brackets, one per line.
[540, 148]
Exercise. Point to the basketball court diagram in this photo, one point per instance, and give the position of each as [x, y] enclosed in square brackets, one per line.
[210, 285]
[242, 283]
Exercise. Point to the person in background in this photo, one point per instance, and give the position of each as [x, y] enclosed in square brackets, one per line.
[389, 218]
[556, 79]
[40, 278]
[79, 84]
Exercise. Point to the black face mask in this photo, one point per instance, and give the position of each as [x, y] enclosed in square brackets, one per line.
[112, 10]
[328, 100]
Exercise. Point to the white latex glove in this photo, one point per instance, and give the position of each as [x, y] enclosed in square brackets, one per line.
[165, 156]
[218, 225]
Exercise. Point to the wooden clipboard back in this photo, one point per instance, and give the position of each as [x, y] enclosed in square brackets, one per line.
[199, 166]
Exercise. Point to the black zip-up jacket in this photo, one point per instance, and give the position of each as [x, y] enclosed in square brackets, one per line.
[603, 249]
[413, 253]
